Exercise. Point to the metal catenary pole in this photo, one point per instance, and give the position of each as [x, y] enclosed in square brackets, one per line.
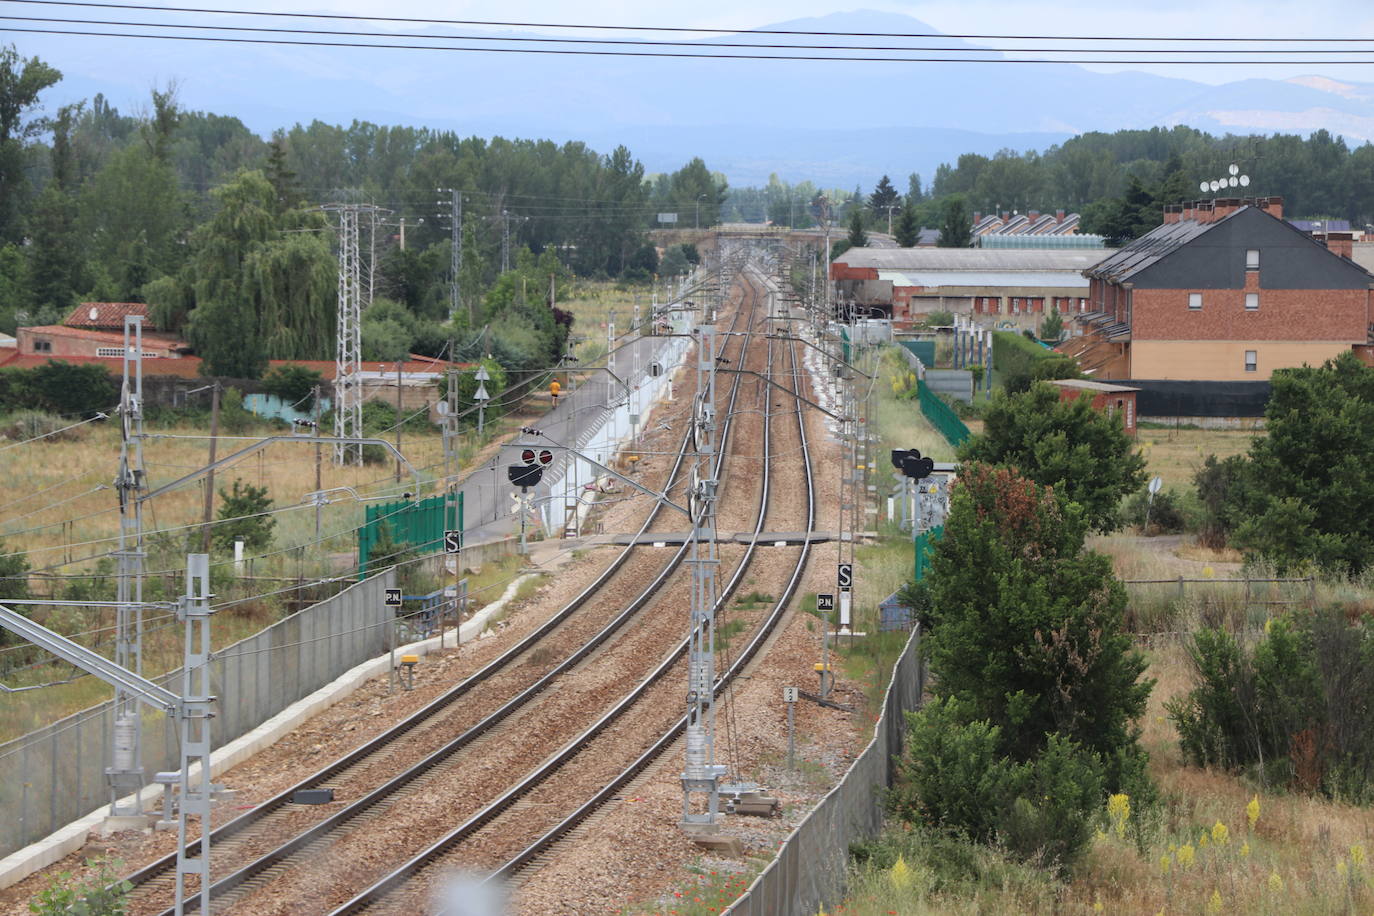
[125, 773]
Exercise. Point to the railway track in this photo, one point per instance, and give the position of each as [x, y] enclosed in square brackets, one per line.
[249, 833]
[398, 891]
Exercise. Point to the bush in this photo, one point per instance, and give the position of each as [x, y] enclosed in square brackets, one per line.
[1219, 485]
[242, 515]
[293, 384]
[1168, 514]
[58, 387]
[30, 424]
[101, 893]
[1292, 708]
[954, 777]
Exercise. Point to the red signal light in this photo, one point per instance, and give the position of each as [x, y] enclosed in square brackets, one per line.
[527, 456]
[546, 457]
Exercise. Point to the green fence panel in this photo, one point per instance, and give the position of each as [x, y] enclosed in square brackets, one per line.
[844, 338]
[942, 416]
[925, 545]
[924, 350]
[419, 523]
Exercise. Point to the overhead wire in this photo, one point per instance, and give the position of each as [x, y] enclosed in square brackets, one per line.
[685, 55]
[620, 27]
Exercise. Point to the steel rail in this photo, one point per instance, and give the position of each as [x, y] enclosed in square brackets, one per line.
[359, 806]
[403, 874]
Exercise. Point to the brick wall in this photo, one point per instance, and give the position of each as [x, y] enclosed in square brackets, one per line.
[1312, 315]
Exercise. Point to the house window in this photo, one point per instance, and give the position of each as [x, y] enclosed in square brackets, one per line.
[42, 346]
[1251, 360]
[1252, 302]
[1015, 306]
[1252, 259]
[1195, 300]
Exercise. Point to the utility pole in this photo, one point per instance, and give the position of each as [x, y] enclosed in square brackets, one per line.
[701, 774]
[125, 774]
[348, 399]
[455, 265]
[505, 241]
[400, 420]
[210, 478]
[315, 395]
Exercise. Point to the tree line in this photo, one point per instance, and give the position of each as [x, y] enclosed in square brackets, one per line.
[221, 230]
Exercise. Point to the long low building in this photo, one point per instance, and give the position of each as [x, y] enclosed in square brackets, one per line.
[997, 287]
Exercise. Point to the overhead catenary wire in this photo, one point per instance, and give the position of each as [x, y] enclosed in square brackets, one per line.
[684, 55]
[685, 44]
[618, 27]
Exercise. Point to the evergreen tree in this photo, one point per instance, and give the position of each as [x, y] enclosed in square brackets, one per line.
[858, 238]
[956, 226]
[914, 194]
[883, 197]
[1023, 626]
[1083, 454]
[908, 231]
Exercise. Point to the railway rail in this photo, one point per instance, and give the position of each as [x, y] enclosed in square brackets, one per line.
[395, 891]
[247, 831]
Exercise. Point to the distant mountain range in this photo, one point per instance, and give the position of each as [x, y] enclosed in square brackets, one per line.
[839, 124]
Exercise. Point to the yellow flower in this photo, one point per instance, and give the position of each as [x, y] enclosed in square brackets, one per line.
[1203, 840]
[1245, 849]
[900, 876]
[1164, 863]
[1101, 834]
[1097, 906]
[1119, 810]
[1342, 868]
[1275, 882]
[1252, 811]
[1220, 834]
[1185, 855]
[1173, 848]
[1214, 905]
[1357, 854]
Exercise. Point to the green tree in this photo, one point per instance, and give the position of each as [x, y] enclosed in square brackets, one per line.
[908, 232]
[857, 238]
[14, 583]
[244, 512]
[255, 287]
[884, 196]
[1084, 454]
[1052, 328]
[956, 226]
[1307, 495]
[914, 194]
[1023, 626]
[293, 384]
[21, 82]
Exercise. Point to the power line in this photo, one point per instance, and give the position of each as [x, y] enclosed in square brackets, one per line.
[1211, 61]
[690, 44]
[680, 29]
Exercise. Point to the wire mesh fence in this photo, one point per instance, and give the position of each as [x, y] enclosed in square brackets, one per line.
[811, 870]
[56, 774]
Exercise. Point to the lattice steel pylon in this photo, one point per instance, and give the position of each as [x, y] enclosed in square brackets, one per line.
[700, 774]
[348, 392]
[125, 773]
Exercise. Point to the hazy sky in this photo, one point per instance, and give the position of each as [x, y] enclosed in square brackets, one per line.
[1194, 18]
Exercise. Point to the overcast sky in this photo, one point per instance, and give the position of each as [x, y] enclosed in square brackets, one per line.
[1194, 18]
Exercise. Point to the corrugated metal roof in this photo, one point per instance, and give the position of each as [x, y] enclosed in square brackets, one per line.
[1152, 247]
[976, 278]
[974, 259]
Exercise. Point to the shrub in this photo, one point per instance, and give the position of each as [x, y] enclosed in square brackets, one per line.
[1167, 515]
[242, 515]
[1293, 707]
[954, 777]
[100, 894]
[30, 424]
[1219, 485]
[293, 384]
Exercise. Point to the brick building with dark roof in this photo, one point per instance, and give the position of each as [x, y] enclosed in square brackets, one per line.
[1224, 290]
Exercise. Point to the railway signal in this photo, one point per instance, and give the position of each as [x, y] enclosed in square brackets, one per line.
[453, 541]
[393, 597]
[525, 475]
[912, 464]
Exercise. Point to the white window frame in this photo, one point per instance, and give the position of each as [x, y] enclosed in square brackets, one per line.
[1195, 302]
[1252, 259]
[1252, 302]
[1251, 360]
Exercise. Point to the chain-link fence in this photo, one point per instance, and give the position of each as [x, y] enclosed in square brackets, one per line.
[811, 869]
[56, 774]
